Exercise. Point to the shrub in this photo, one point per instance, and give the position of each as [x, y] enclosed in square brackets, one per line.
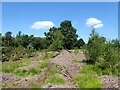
[30, 49]
[111, 58]
[94, 48]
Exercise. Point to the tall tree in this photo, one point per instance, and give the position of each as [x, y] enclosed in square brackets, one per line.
[50, 35]
[94, 47]
[8, 37]
[57, 43]
[80, 43]
[19, 34]
[69, 32]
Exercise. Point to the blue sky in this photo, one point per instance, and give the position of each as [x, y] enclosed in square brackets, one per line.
[21, 16]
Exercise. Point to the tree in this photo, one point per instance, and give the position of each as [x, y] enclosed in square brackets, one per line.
[57, 43]
[8, 37]
[50, 35]
[80, 43]
[19, 34]
[116, 43]
[30, 49]
[111, 57]
[94, 47]
[0, 39]
[69, 33]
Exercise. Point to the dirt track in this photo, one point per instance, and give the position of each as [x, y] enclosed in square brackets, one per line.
[62, 61]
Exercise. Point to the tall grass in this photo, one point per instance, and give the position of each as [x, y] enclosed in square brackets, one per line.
[87, 81]
[12, 66]
[56, 79]
[88, 77]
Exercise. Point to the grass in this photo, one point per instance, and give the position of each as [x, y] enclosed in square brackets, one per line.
[91, 69]
[53, 76]
[48, 55]
[76, 51]
[89, 77]
[56, 79]
[87, 81]
[76, 61]
[12, 66]
[32, 71]
[53, 70]
[43, 64]
[34, 85]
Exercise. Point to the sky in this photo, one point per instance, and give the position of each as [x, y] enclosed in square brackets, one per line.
[35, 18]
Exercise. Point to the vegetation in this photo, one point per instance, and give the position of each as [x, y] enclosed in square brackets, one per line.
[12, 66]
[88, 77]
[32, 71]
[88, 81]
[102, 56]
[76, 61]
[56, 79]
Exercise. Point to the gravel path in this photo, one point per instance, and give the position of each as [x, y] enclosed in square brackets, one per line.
[109, 81]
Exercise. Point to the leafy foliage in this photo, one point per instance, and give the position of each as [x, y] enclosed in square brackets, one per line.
[103, 54]
[57, 43]
[69, 32]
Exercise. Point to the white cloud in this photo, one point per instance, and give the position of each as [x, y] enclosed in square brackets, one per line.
[42, 25]
[94, 22]
[98, 26]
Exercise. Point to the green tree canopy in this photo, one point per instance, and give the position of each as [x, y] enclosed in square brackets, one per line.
[8, 37]
[69, 32]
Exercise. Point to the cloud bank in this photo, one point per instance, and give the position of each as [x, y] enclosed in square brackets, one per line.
[42, 25]
[94, 23]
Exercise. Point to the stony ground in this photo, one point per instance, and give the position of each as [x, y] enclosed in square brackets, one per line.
[61, 60]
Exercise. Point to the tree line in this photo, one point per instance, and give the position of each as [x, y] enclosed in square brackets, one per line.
[56, 39]
[99, 51]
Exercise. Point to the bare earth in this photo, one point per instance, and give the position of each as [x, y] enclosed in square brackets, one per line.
[62, 60]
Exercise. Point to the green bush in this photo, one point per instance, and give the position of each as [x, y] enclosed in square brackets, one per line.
[94, 48]
[30, 50]
[13, 53]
